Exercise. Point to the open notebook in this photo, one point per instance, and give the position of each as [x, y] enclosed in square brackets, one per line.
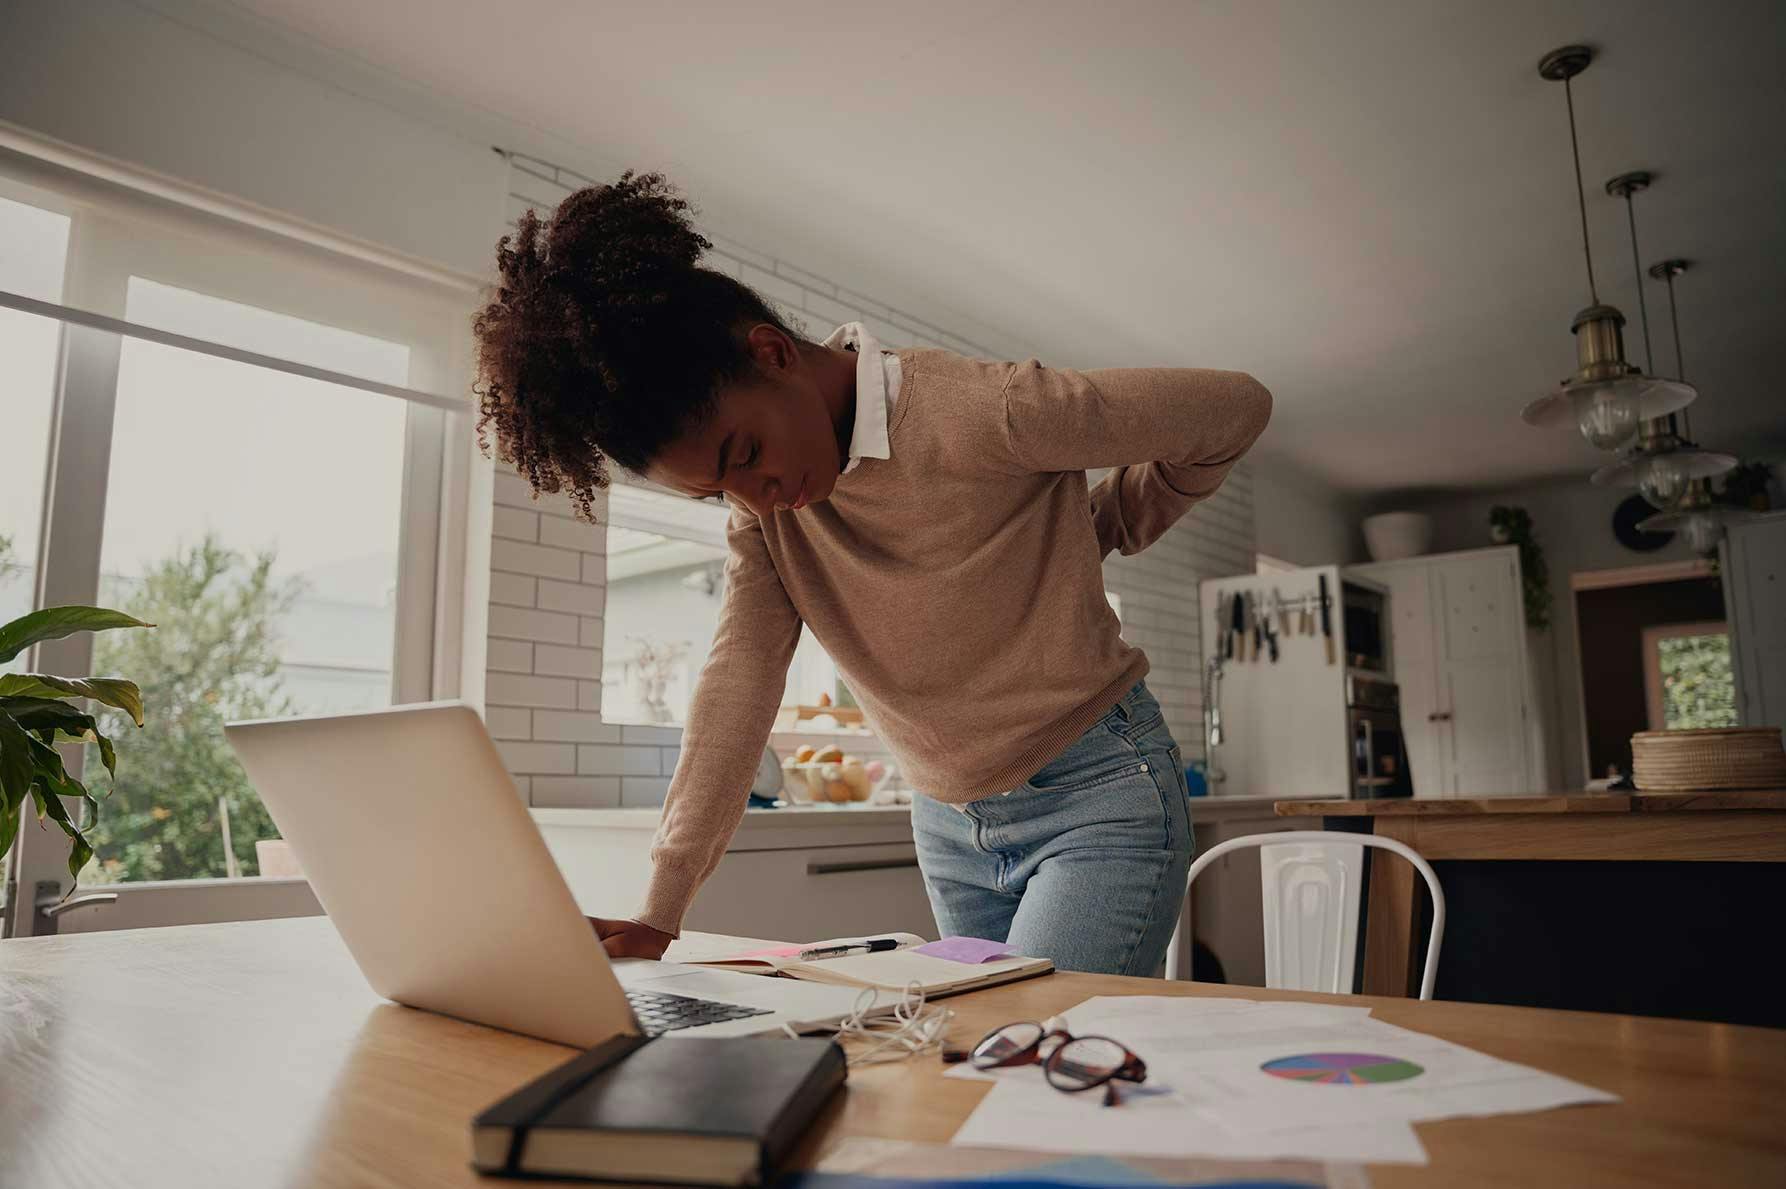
[889, 970]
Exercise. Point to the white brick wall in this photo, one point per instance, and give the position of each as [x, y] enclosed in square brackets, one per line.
[548, 580]
[1159, 598]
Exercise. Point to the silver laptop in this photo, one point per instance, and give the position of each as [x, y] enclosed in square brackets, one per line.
[409, 830]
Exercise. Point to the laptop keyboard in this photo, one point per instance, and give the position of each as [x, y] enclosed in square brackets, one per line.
[659, 1013]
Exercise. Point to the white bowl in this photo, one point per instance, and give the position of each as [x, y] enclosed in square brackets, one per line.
[1391, 536]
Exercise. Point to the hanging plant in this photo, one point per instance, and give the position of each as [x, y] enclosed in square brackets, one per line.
[1746, 487]
[1512, 525]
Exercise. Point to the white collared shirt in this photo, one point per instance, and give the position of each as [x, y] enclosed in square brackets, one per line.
[877, 388]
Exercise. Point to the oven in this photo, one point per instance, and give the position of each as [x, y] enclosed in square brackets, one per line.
[1379, 753]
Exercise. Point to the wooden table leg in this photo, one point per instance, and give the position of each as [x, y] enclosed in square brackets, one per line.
[1390, 947]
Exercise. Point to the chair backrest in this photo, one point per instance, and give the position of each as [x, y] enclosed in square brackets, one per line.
[1310, 883]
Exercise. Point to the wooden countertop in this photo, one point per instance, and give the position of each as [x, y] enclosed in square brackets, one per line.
[1561, 803]
[254, 1054]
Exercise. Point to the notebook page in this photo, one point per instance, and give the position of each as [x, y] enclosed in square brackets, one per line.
[896, 968]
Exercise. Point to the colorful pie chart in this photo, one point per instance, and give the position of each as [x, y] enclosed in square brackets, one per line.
[1342, 1069]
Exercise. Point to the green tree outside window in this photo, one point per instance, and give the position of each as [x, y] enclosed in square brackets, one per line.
[1698, 684]
[213, 658]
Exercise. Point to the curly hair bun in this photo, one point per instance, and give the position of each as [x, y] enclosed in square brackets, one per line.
[605, 338]
[621, 234]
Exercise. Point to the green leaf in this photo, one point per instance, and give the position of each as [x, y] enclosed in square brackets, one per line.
[55, 782]
[36, 714]
[113, 691]
[53, 623]
[9, 826]
[17, 769]
[109, 758]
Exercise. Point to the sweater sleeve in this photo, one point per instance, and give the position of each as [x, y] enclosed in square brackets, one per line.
[1172, 435]
[729, 719]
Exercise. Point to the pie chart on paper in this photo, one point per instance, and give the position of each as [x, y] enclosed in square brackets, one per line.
[1342, 1069]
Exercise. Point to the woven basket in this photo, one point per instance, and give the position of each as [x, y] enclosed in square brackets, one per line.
[1716, 758]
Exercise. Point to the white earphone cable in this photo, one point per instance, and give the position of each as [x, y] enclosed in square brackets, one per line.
[910, 1028]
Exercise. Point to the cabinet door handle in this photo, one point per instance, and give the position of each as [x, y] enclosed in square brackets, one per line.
[1439, 716]
[859, 865]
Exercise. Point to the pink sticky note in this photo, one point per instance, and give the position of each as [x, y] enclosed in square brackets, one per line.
[971, 950]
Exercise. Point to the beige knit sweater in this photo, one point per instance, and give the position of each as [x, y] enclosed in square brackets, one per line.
[956, 584]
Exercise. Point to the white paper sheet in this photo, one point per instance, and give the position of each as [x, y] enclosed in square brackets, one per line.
[1036, 1116]
[1208, 1091]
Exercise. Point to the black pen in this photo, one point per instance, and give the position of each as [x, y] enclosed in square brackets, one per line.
[875, 945]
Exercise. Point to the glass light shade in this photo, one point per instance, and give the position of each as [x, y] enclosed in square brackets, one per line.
[1701, 532]
[1607, 423]
[1662, 479]
[1607, 412]
[1663, 473]
[1699, 521]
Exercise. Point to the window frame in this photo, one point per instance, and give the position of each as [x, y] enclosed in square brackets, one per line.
[115, 235]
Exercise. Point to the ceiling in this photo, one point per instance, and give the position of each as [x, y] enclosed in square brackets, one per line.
[1367, 205]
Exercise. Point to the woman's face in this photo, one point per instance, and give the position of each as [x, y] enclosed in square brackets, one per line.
[771, 442]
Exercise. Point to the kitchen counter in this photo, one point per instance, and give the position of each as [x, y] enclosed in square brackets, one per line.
[803, 871]
[1579, 802]
[1639, 902]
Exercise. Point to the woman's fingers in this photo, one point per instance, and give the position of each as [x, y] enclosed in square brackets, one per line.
[630, 939]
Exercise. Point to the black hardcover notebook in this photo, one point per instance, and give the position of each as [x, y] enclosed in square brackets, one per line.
[720, 1111]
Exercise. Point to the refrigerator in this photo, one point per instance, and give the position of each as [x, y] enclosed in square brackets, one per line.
[1299, 697]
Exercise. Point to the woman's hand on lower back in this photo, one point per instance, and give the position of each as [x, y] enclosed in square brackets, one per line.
[630, 939]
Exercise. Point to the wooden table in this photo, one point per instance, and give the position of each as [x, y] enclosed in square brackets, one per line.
[253, 1054]
[1745, 827]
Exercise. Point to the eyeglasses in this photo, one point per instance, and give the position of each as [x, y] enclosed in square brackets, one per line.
[1071, 1063]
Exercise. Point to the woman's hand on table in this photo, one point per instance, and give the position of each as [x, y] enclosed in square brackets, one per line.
[630, 939]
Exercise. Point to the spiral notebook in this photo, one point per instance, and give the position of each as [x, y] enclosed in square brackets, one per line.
[890, 970]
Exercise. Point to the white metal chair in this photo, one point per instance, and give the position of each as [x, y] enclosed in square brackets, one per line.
[1310, 883]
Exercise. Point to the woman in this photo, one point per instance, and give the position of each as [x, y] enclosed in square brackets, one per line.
[927, 516]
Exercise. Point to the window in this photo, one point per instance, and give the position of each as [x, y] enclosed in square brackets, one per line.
[1687, 677]
[254, 517]
[666, 579]
[33, 249]
[288, 534]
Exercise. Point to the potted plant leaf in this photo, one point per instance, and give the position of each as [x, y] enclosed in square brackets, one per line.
[1512, 525]
[35, 714]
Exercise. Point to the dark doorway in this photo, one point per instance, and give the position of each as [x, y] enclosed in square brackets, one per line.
[1617, 688]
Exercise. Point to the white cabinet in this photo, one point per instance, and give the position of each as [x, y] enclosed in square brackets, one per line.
[1755, 601]
[797, 874]
[1462, 663]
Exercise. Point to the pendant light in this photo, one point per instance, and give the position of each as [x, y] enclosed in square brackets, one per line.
[1663, 462]
[1699, 520]
[1607, 398]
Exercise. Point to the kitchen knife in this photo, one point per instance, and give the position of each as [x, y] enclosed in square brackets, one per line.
[1326, 621]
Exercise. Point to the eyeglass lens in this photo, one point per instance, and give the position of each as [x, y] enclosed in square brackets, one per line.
[1082, 1064]
[1006, 1043]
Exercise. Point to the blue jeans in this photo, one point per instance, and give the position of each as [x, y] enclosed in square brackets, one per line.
[1084, 863]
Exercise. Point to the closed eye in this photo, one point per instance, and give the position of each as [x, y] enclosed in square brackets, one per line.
[750, 460]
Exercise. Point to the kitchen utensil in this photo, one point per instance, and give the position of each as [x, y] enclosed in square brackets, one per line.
[1326, 620]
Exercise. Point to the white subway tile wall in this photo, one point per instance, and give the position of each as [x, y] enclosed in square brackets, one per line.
[548, 580]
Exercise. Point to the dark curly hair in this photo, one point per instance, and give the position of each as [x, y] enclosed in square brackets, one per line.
[604, 339]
